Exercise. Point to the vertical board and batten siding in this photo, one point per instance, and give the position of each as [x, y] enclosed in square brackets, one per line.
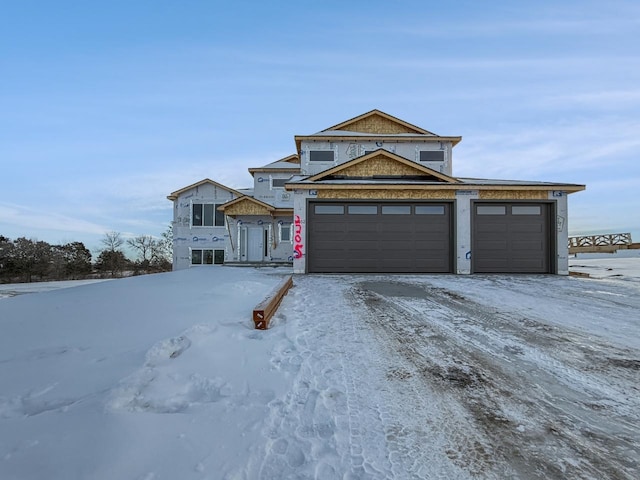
[512, 237]
[379, 241]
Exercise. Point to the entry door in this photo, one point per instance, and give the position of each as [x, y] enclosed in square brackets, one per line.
[255, 244]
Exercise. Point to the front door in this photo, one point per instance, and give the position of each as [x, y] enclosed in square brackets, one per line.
[255, 244]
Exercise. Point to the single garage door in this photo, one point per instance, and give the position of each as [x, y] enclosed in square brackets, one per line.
[511, 238]
[378, 237]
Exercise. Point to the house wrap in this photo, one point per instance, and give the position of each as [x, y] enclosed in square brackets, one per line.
[374, 194]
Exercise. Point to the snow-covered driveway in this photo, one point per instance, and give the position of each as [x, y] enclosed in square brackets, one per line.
[457, 377]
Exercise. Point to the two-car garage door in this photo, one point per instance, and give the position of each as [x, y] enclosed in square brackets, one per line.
[417, 237]
[379, 237]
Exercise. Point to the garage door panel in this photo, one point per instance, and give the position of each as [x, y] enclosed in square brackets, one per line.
[379, 242]
[329, 227]
[527, 246]
[491, 228]
[361, 228]
[431, 245]
[395, 229]
[527, 262]
[430, 231]
[527, 228]
[512, 243]
[489, 263]
[495, 246]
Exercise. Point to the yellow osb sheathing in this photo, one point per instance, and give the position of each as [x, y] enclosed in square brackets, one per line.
[377, 125]
[514, 194]
[387, 194]
[246, 208]
[380, 166]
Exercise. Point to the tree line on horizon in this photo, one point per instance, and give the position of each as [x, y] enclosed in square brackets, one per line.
[25, 260]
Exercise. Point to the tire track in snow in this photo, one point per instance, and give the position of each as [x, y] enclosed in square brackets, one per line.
[428, 434]
[477, 374]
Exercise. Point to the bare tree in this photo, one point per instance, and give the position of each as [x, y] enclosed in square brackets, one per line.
[144, 245]
[112, 241]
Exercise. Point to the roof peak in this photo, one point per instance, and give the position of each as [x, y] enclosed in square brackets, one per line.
[378, 122]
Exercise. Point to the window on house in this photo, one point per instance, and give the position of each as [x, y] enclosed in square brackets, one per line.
[491, 210]
[363, 209]
[396, 209]
[429, 209]
[329, 210]
[285, 232]
[321, 156]
[207, 215]
[207, 257]
[278, 182]
[525, 210]
[432, 155]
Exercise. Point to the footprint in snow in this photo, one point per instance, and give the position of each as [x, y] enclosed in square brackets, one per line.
[167, 349]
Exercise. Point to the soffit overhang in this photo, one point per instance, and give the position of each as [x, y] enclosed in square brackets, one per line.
[387, 185]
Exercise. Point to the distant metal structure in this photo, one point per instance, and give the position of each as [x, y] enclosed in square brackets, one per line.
[607, 243]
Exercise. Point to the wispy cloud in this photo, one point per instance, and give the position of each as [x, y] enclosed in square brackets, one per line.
[20, 217]
[547, 151]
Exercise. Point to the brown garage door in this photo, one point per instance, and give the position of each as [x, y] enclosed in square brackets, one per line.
[511, 238]
[379, 237]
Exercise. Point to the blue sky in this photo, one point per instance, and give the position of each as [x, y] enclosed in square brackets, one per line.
[107, 107]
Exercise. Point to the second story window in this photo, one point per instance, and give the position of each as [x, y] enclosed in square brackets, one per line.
[432, 155]
[321, 156]
[278, 182]
[206, 215]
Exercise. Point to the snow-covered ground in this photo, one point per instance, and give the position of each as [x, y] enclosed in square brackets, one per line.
[14, 289]
[623, 265]
[359, 377]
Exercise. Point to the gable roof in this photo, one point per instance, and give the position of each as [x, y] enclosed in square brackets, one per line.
[374, 126]
[378, 122]
[382, 163]
[286, 164]
[174, 195]
[246, 199]
[250, 206]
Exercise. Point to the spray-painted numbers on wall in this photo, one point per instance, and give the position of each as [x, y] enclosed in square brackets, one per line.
[297, 246]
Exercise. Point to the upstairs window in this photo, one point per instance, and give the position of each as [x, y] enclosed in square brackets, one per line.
[278, 182]
[321, 156]
[206, 215]
[432, 155]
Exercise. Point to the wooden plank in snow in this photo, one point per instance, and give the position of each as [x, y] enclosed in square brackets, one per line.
[267, 308]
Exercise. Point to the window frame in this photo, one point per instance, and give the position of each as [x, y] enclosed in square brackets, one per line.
[526, 210]
[328, 209]
[399, 209]
[429, 210]
[332, 152]
[431, 152]
[272, 180]
[207, 254]
[362, 209]
[497, 210]
[285, 227]
[206, 209]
